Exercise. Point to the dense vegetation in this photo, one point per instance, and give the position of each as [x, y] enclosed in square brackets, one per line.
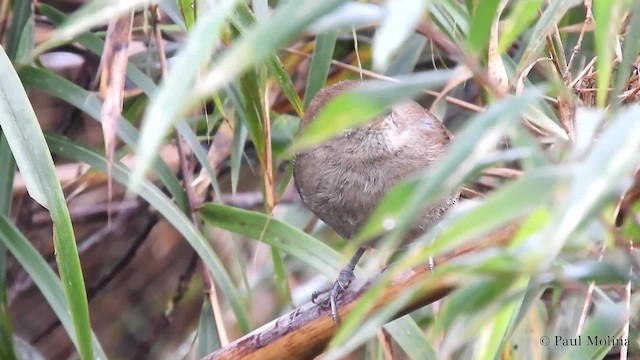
[540, 96]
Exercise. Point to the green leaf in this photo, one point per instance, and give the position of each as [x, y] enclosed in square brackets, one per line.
[403, 202]
[399, 23]
[483, 14]
[208, 337]
[452, 17]
[411, 339]
[19, 124]
[350, 15]
[253, 109]
[600, 332]
[188, 10]
[96, 46]
[156, 198]
[605, 16]
[320, 64]
[490, 343]
[95, 13]
[408, 56]
[172, 99]
[509, 203]
[613, 156]
[239, 141]
[520, 18]
[8, 168]
[20, 39]
[44, 278]
[357, 106]
[543, 27]
[276, 234]
[17, 33]
[262, 40]
[280, 277]
[629, 52]
[244, 19]
[89, 103]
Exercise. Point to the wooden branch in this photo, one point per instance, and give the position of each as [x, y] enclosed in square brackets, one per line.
[305, 332]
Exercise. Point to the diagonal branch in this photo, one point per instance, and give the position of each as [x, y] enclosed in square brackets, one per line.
[305, 332]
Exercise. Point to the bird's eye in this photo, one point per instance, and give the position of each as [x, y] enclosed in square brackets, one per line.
[427, 122]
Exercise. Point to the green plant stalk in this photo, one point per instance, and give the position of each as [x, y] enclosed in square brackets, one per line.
[8, 168]
[26, 140]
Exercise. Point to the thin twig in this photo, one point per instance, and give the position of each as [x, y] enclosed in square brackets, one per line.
[105, 279]
[461, 103]
[427, 29]
[305, 332]
[576, 49]
[167, 317]
[587, 299]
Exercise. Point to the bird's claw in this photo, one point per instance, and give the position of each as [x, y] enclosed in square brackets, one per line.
[345, 278]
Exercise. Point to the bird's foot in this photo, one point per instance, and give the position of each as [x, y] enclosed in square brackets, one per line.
[345, 278]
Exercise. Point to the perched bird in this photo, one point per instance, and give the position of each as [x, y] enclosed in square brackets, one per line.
[342, 180]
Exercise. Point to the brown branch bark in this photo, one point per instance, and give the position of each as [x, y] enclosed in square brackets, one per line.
[305, 332]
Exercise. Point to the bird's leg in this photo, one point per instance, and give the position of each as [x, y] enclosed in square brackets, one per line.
[345, 278]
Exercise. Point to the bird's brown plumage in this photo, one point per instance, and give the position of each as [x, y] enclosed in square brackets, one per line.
[342, 180]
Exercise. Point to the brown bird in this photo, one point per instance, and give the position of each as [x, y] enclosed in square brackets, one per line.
[342, 180]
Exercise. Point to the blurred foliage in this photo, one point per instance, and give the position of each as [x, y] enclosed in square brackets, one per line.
[541, 97]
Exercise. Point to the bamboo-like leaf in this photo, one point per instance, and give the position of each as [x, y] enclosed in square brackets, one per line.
[351, 15]
[462, 157]
[400, 22]
[411, 338]
[611, 158]
[96, 45]
[263, 40]
[44, 278]
[8, 168]
[600, 331]
[19, 36]
[606, 18]
[629, 52]
[188, 10]
[452, 17]
[20, 33]
[408, 56]
[244, 19]
[320, 64]
[90, 104]
[543, 27]
[509, 203]
[483, 16]
[239, 141]
[165, 107]
[19, 124]
[490, 342]
[253, 111]
[156, 198]
[208, 336]
[96, 12]
[280, 277]
[520, 18]
[355, 107]
[275, 233]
